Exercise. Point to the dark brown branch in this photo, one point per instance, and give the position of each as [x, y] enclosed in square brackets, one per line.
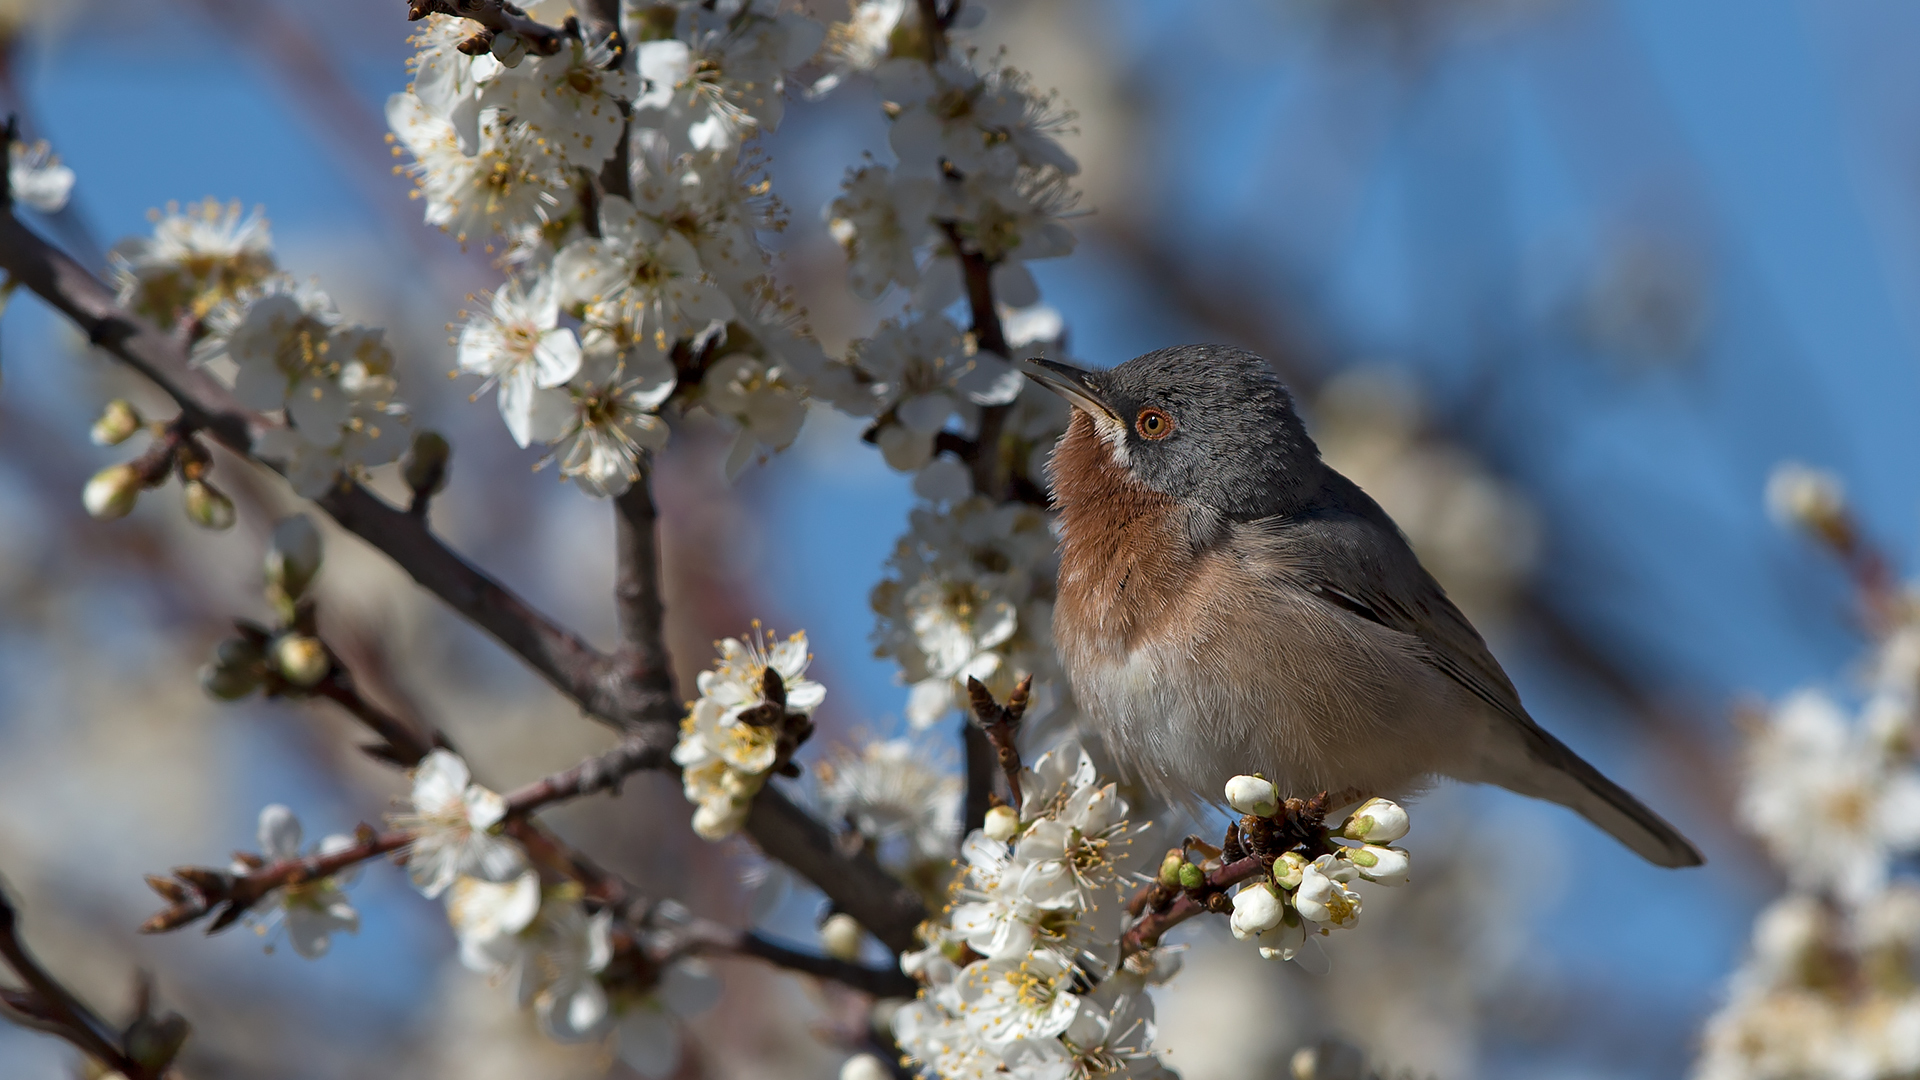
[642, 662]
[400, 743]
[497, 16]
[194, 892]
[711, 938]
[1185, 904]
[857, 885]
[47, 1005]
[601, 772]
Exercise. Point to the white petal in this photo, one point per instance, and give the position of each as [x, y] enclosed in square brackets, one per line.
[556, 358]
[441, 779]
[484, 808]
[279, 833]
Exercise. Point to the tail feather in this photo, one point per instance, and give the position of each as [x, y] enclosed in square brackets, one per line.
[1541, 766]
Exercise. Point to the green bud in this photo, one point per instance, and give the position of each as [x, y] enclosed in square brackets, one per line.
[1191, 876]
[1288, 869]
[1170, 868]
[425, 464]
[206, 506]
[301, 660]
[293, 559]
[155, 1041]
[113, 491]
[117, 423]
[234, 672]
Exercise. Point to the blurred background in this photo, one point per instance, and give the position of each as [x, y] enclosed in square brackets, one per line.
[1557, 280]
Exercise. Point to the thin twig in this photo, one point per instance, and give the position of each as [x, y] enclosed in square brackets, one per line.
[707, 938]
[400, 744]
[49, 1006]
[996, 725]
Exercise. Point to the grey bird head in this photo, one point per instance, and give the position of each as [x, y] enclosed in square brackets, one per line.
[1204, 424]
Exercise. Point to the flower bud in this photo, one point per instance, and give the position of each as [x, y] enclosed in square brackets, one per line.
[301, 660]
[1256, 909]
[1253, 795]
[865, 1067]
[234, 672]
[113, 491]
[293, 557]
[1191, 876]
[1805, 497]
[841, 936]
[117, 423]
[1386, 865]
[1378, 821]
[1288, 868]
[1170, 868]
[509, 48]
[425, 463]
[1001, 823]
[206, 506]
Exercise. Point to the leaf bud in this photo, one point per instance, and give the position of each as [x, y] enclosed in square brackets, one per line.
[425, 463]
[1378, 821]
[155, 1041]
[1001, 824]
[113, 491]
[229, 683]
[293, 558]
[301, 660]
[206, 506]
[1288, 868]
[1191, 876]
[1254, 795]
[841, 936]
[117, 423]
[1170, 868]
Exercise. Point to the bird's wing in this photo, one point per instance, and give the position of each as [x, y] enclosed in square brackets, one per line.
[1348, 553]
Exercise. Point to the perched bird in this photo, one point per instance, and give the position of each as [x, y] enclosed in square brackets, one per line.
[1231, 604]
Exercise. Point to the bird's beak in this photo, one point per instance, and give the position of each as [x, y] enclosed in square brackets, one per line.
[1072, 383]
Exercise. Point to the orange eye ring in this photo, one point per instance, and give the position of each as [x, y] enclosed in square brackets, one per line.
[1153, 424]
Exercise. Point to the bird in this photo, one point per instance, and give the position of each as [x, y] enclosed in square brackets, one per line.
[1230, 604]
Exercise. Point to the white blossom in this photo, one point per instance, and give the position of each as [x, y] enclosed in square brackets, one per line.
[194, 260]
[453, 820]
[1377, 821]
[724, 760]
[571, 100]
[763, 396]
[640, 276]
[1256, 909]
[509, 179]
[311, 910]
[446, 81]
[520, 347]
[1253, 795]
[1804, 497]
[552, 964]
[1323, 896]
[881, 220]
[36, 177]
[915, 376]
[603, 421]
[890, 793]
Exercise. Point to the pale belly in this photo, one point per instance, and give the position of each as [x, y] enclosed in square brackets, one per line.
[1312, 709]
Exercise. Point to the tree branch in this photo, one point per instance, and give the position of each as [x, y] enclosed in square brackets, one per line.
[856, 884]
[643, 666]
[705, 937]
[48, 1006]
[995, 728]
[497, 16]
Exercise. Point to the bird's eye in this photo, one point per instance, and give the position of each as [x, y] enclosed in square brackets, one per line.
[1153, 424]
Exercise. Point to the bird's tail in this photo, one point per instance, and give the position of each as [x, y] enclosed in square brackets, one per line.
[1532, 762]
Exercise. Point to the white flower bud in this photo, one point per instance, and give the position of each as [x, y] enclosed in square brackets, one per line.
[301, 660]
[509, 48]
[206, 506]
[1386, 865]
[1322, 898]
[841, 936]
[117, 423]
[113, 491]
[1378, 821]
[294, 556]
[865, 1067]
[1805, 497]
[1329, 1060]
[1001, 823]
[1254, 795]
[1288, 868]
[1256, 909]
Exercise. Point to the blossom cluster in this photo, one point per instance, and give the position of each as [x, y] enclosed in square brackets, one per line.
[1304, 895]
[969, 595]
[1831, 786]
[617, 183]
[732, 737]
[1025, 978]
